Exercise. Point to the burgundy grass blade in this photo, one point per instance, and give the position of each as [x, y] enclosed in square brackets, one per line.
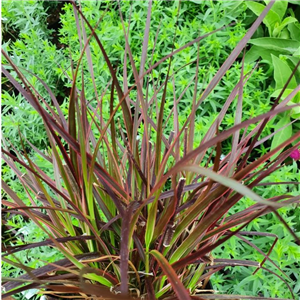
[168, 270]
[125, 109]
[124, 251]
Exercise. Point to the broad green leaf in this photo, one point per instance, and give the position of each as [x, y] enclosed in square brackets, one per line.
[294, 29]
[297, 53]
[256, 52]
[295, 113]
[271, 18]
[292, 63]
[277, 44]
[236, 4]
[294, 100]
[285, 22]
[284, 34]
[252, 55]
[282, 72]
[280, 8]
[297, 2]
[283, 134]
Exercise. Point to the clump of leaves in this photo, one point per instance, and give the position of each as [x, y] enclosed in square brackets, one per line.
[279, 48]
[135, 210]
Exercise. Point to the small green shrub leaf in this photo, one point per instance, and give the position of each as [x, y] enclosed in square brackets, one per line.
[285, 22]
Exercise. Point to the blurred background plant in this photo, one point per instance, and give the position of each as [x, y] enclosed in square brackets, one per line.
[277, 43]
[50, 60]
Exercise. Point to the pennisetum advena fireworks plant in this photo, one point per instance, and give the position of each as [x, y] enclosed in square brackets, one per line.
[149, 205]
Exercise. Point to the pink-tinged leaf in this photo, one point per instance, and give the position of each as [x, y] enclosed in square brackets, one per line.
[231, 183]
[88, 51]
[112, 124]
[124, 251]
[159, 133]
[52, 124]
[229, 61]
[170, 212]
[184, 47]
[52, 267]
[297, 239]
[176, 123]
[211, 131]
[238, 119]
[150, 289]
[145, 41]
[190, 140]
[46, 242]
[61, 194]
[125, 108]
[222, 136]
[140, 96]
[191, 258]
[19, 290]
[167, 269]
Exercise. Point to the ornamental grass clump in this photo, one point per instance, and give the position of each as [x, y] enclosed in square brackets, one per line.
[135, 210]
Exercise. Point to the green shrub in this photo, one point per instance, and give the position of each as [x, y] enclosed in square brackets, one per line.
[27, 39]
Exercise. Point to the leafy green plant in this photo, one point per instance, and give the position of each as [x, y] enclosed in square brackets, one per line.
[136, 209]
[282, 72]
[283, 34]
[27, 38]
[281, 51]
